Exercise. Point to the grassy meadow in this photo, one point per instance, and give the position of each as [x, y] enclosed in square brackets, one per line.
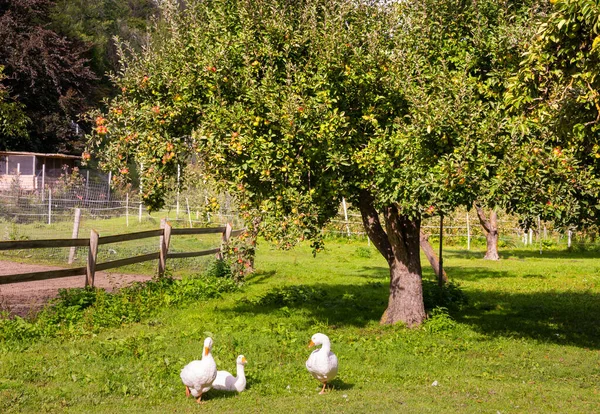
[528, 341]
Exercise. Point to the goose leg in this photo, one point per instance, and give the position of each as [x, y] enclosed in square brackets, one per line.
[323, 390]
[199, 399]
[187, 391]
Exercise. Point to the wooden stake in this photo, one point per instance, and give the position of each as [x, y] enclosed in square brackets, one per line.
[187, 203]
[346, 216]
[164, 242]
[75, 234]
[224, 240]
[92, 257]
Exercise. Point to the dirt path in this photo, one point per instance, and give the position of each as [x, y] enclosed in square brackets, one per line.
[28, 297]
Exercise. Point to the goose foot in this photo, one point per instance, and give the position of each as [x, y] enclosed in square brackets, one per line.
[323, 390]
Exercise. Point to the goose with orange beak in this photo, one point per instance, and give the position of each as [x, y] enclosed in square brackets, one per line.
[198, 376]
[227, 382]
[322, 363]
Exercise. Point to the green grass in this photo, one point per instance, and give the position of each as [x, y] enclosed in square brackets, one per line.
[527, 342]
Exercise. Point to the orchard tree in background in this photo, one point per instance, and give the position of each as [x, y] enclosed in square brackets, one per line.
[556, 100]
[293, 105]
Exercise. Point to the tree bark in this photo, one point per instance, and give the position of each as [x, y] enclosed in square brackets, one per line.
[490, 228]
[399, 245]
[431, 256]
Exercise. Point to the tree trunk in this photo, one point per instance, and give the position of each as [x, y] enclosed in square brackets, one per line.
[253, 235]
[490, 228]
[431, 256]
[399, 245]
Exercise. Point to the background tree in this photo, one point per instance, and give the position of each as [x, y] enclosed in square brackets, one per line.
[45, 72]
[293, 106]
[55, 56]
[556, 97]
[13, 121]
[96, 23]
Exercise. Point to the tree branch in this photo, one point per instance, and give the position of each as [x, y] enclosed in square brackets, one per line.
[482, 219]
[373, 227]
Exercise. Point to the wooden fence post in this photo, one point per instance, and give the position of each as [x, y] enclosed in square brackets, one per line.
[346, 216]
[75, 234]
[224, 240]
[165, 240]
[92, 257]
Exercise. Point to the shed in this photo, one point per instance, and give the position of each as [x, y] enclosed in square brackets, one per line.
[34, 170]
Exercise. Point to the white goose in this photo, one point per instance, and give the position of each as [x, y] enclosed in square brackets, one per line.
[227, 382]
[198, 376]
[322, 363]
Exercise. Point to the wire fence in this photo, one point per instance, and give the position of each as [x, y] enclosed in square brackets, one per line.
[76, 203]
[50, 212]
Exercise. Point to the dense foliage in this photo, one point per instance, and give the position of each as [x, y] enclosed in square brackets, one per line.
[556, 93]
[55, 54]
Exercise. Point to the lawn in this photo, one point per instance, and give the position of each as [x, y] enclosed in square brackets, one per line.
[528, 341]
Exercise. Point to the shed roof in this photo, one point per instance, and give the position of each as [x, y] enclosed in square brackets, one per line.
[39, 154]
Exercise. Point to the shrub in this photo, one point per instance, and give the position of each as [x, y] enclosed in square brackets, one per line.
[439, 321]
[450, 296]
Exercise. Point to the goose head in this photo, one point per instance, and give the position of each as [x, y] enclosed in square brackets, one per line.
[208, 343]
[241, 360]
[318, 339]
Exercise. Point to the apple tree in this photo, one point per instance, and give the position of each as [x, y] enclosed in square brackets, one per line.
[293, 105]
[555, 96]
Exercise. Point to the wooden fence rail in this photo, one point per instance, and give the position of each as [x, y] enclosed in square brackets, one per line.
[92, 266]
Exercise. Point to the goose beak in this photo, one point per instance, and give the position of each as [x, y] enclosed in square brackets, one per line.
[244, 360]
[311, 344]
[206, 351]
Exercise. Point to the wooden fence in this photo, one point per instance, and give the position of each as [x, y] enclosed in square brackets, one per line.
[164, 233]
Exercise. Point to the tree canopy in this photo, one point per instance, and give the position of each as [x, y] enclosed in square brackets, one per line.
[293, 105]
[555, 95]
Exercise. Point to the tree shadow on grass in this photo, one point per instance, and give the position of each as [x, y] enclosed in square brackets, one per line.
[566, 318]
[260, 277]
[375, 272]
[336, 305]
[525, 254]
[475, 273]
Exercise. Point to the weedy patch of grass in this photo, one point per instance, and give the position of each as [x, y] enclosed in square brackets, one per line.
[77, 312]
[499, 352]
